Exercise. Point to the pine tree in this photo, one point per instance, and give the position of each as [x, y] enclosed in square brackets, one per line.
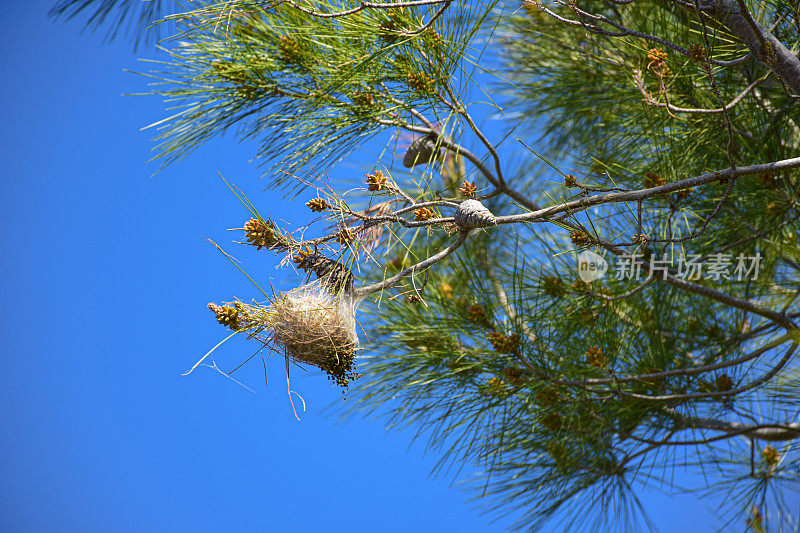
[661, 135]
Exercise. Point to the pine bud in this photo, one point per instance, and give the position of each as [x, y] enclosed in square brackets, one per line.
[657, 58]
[398, 263]
[756, 522]
[446, 290]
[291, 51]
[363, 99]
[560, 455]
[724, 383]
[421, 82]
[434, 37]
[390, 30]
[772, 209]
[299, 259]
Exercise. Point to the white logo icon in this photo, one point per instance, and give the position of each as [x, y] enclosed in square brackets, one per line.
[591, 266]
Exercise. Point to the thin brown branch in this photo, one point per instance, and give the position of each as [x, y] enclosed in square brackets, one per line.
[365, 5]
[649, 100]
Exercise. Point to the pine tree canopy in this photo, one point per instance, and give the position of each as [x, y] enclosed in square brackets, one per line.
[575, 246]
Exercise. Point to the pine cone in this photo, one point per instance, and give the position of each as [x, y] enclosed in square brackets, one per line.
[260, 234]
[363, 99]
[424, 213]
[473, 214]
[334, 274]
[724, 383]
[552, 421]
[509, 344]
[771, 456]
[376, 181]
[468, 190]
[579, 238]
[553, 286]
[594, 357]
[697, 52]
[421, 82]
[547, 397]
[317, 205]
[226, 315]
[421, 152]
[651, 179]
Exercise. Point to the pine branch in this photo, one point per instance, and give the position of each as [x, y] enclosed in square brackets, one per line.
[733, 14]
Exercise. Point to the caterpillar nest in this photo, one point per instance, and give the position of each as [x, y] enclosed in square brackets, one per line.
[311, 324]
[472, 214]
[316, 327]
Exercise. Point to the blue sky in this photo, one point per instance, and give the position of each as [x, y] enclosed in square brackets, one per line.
[106, 278]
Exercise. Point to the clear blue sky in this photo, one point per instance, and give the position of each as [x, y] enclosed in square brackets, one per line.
[105, 281]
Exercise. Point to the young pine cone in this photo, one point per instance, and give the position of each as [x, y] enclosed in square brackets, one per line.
[260, 234]
[317, 205]
[468, 190]
[226, 315]
[579, 238]
[595, 357]
[424, 213]
[376, 181]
